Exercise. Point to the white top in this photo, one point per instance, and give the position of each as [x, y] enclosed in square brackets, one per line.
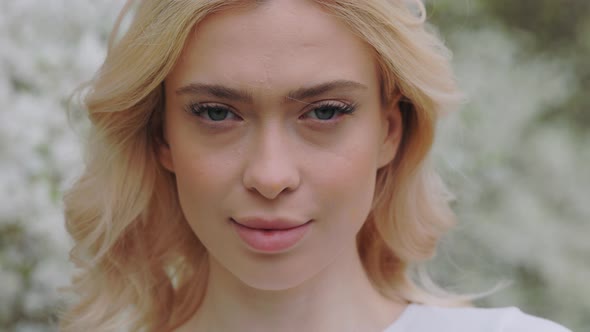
[422, 318]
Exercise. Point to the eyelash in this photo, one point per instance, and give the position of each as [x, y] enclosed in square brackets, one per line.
[339, 108]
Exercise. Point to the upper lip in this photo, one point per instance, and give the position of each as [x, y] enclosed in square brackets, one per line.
[268, 223]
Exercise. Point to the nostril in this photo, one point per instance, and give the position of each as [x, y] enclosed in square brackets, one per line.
[272, 185]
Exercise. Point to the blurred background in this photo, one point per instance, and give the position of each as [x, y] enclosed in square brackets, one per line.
[517, 153]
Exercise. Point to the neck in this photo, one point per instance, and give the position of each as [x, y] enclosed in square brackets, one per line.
[339, 298]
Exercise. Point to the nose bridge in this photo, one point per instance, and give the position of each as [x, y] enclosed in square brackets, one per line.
[271, 167]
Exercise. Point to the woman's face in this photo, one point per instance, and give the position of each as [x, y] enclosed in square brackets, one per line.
[273, 113]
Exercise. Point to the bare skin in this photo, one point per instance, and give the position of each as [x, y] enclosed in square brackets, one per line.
[257, 150]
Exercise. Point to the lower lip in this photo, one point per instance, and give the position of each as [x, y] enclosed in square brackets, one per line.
[271, 241]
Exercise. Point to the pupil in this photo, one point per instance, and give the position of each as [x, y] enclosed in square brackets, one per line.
[325, 113]
[217, 114]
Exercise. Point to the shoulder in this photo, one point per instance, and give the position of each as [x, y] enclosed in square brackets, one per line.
[440, 319]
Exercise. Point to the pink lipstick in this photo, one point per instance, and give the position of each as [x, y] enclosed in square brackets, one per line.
[270, 236]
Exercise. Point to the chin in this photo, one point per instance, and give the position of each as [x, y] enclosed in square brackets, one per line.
[278, 275]
[273, 285]
[275, 280]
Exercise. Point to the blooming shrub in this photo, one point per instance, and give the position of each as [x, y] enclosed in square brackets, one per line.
[522, 190]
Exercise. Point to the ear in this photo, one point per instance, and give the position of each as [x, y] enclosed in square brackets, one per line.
[391, 133]
[163, 153]
[158, 124]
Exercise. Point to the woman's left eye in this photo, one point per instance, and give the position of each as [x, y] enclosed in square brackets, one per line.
[329, 111]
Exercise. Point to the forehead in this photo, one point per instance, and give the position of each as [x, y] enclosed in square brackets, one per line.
[277, 44]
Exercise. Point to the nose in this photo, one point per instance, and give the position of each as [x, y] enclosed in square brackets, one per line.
[271, 168]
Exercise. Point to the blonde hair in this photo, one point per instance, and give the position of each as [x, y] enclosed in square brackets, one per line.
[137, 258]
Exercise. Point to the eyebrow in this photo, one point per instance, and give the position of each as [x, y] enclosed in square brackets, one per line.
[224, 92]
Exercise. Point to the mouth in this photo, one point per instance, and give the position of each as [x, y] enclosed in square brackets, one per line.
[271, 240]
[268, 224]
[277, 228]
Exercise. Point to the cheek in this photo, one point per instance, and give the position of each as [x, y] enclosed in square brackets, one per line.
[204, 184]
[203, 179]
[344, 180]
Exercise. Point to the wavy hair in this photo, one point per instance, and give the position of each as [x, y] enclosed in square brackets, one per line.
[137, 259]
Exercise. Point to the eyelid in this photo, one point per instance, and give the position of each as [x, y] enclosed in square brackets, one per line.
[343, 108]
[332, 102]
[203, 106]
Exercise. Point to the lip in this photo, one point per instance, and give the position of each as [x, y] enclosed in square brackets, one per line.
[268, 223]
[271, 240]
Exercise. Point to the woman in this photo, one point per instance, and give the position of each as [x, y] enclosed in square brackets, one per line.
[261, 166]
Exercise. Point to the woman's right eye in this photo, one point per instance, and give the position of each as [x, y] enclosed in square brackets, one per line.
[212, 112]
